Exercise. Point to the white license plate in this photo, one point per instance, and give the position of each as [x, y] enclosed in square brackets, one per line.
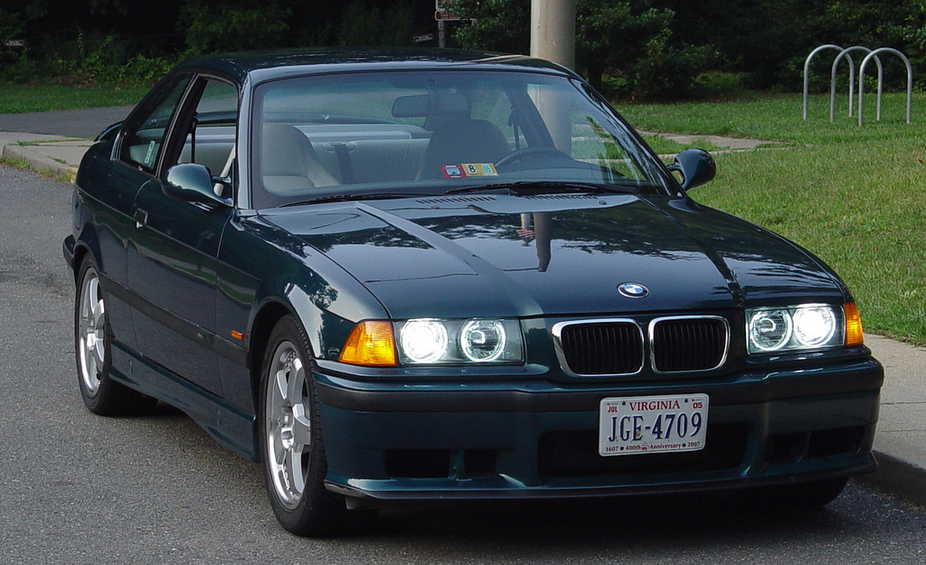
[652, 424]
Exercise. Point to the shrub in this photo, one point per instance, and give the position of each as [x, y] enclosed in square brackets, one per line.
[212, 29]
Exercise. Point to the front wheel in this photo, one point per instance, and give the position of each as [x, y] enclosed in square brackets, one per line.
[93, 338]
[292, 447]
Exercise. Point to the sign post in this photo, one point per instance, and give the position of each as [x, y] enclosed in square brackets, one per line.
[443, 14]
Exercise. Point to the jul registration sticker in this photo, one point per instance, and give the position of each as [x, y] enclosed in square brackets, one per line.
[479, 169]
[652, 424]
[453, 171]
[469, 170]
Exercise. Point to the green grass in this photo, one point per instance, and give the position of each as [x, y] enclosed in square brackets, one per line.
[778, 118]
[854, 196]
[19, 98]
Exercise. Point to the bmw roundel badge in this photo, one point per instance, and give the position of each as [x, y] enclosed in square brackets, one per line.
[633, 290]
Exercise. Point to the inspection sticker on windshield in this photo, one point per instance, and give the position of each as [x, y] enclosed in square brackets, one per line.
[652, 424]
[469, 170]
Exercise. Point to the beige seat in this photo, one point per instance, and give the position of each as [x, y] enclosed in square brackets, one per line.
[289, 164]
[462, 141]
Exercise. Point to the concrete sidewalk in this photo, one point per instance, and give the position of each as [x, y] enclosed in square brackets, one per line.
[55, 156]
[900, 443]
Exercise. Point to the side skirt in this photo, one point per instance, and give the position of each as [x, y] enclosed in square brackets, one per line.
[230, 426]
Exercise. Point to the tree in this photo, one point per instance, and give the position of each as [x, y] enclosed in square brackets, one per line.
[223, 27]
[623, 47]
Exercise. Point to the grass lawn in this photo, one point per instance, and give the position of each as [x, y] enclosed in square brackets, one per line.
[854, 196]
[21, 98]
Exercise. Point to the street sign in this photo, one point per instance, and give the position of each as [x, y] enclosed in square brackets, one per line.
[423, 38]
[443, 11]
[14, 42]
[446, 16]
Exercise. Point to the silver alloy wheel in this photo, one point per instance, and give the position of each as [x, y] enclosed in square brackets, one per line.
[91, 331]
[288, 424]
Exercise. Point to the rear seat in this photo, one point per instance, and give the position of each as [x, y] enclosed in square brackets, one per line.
[363, 153]
[372, 160]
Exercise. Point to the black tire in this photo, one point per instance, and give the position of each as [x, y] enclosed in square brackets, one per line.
[291, 440]
[93, 338]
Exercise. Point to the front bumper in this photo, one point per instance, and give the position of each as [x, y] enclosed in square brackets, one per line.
[533, 439]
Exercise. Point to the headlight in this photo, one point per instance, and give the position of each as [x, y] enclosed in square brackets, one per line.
[483, 341]
[795, 328]
[423, 341]
[428, 341]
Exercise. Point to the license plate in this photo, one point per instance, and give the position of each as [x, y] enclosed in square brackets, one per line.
[652, 424]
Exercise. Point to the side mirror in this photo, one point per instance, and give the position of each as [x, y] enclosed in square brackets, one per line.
[193, 183]
[696, 166]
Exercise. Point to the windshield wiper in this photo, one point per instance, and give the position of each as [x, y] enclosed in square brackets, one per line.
[554, 186]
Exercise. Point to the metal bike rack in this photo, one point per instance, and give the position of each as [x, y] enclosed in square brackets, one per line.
[845, 54]
[861, 81]
[807, 69]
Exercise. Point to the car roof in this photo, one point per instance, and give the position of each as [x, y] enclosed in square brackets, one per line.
[269, 64]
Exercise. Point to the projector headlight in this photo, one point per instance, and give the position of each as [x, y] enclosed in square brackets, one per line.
[483, 341]
[429, 341]
[795, 328]
[423, 341]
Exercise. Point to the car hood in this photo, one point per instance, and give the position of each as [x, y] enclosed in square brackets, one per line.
[559, 254]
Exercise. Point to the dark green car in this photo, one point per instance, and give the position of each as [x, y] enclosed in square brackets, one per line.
[432, 275]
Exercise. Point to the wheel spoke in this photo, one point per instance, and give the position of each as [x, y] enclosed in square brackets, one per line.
[302, 428]
[281, 452]
[281, 383]
[296, 472]
[97, 312]
[296, 381]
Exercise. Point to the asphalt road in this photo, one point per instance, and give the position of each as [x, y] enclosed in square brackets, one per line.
[86, 124]
[77, 488]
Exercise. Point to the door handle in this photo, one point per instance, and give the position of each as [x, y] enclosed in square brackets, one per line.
[141, 218]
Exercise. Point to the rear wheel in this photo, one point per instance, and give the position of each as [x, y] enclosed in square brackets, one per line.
[93, 345]
[292, 446]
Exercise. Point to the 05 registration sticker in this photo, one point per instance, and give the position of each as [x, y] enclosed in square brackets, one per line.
[652, 424]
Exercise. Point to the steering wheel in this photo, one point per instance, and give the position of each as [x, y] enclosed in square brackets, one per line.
[537, 152]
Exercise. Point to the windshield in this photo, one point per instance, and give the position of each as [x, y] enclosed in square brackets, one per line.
[385, 134]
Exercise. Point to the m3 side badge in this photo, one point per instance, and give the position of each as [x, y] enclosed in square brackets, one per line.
[633, 290]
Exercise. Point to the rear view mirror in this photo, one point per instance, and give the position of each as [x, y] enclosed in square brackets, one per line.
[696, 166]
[192, 182]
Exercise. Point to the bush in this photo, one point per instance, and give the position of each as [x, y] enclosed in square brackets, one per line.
[367, 25]
[718, 85]
[212, 29]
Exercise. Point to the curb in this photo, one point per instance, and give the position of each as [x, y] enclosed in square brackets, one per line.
[57, 158]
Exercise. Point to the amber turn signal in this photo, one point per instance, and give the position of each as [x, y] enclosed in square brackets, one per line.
[371, 344]
[854, 335]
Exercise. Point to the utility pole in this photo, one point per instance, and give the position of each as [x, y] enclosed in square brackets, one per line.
[553, 31]
[553, 37]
